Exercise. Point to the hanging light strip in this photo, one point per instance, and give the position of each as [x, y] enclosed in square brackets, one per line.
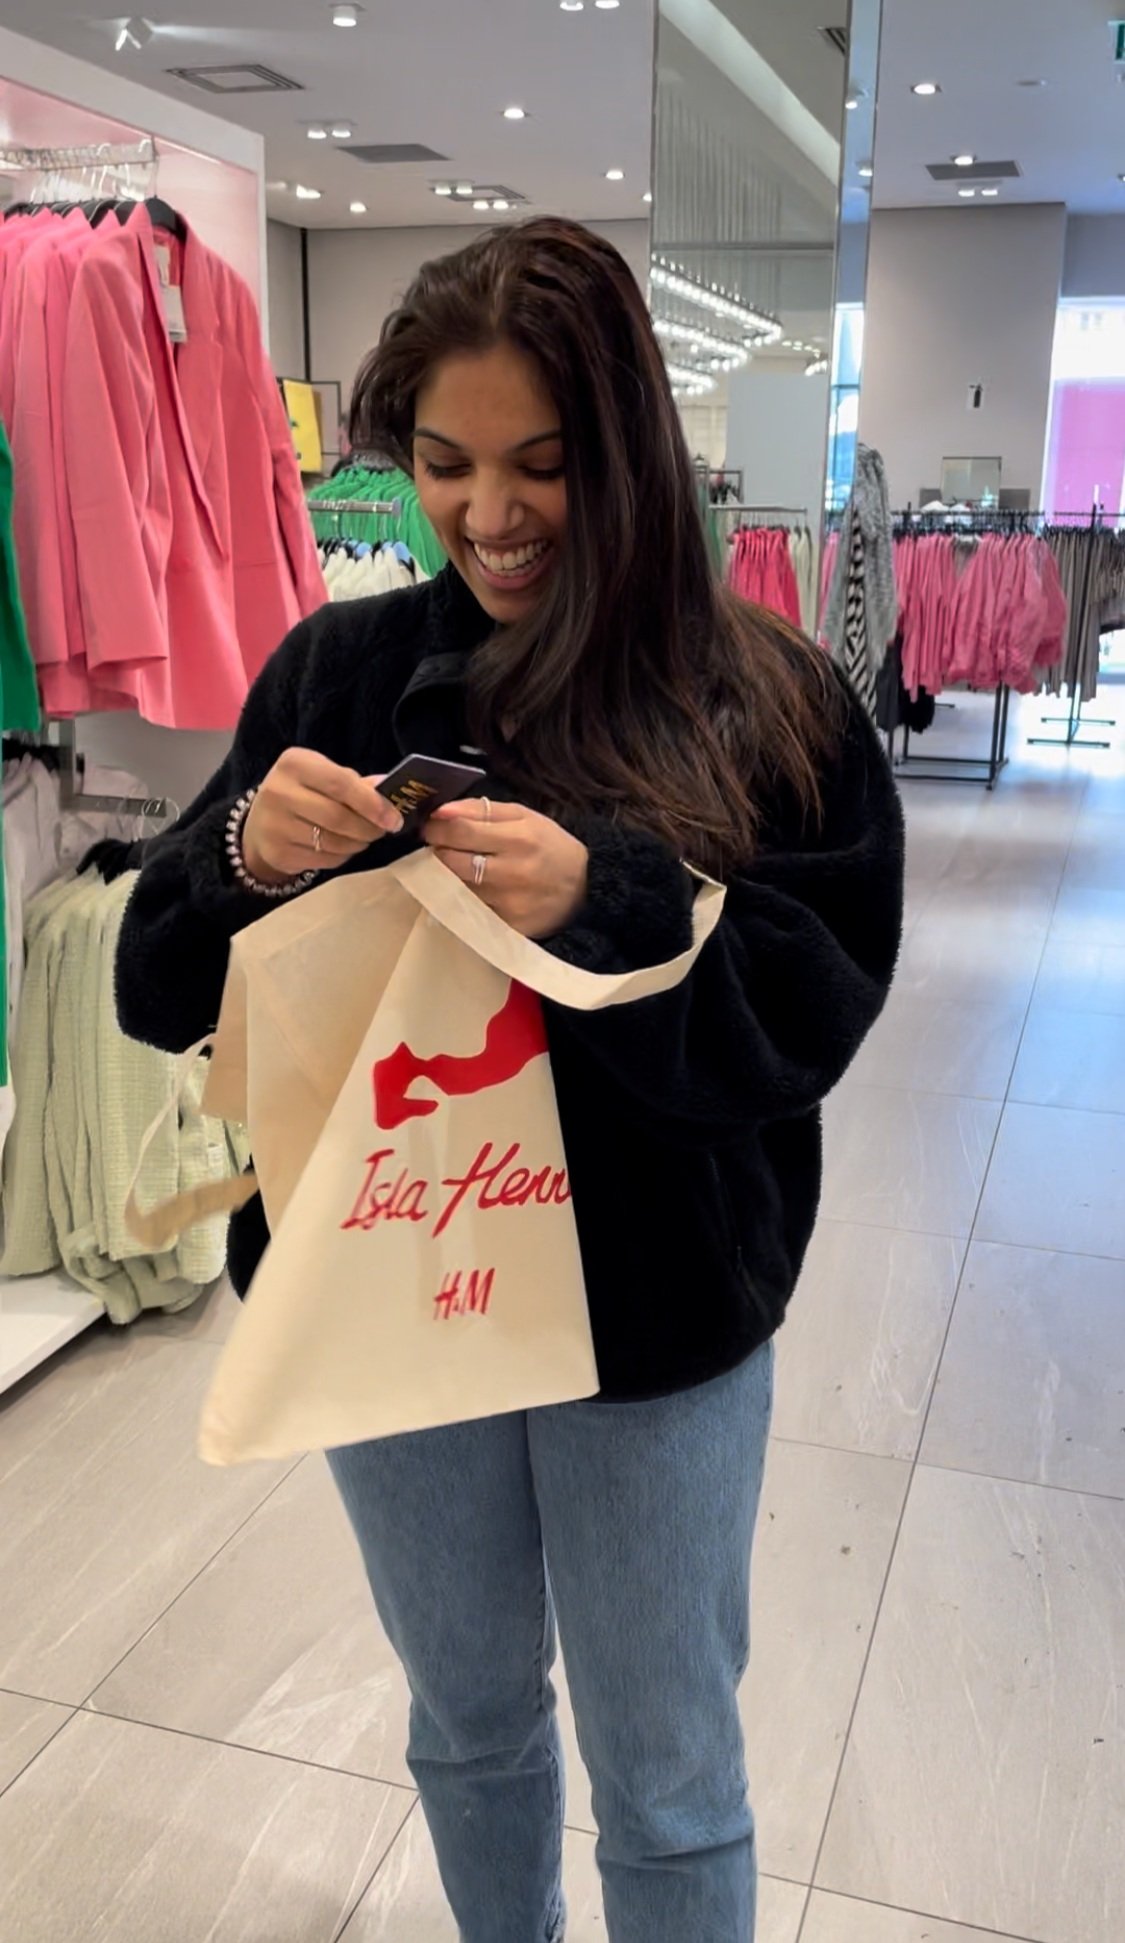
[755, 323]
[817, 368]
[693, 381]
[702, 340]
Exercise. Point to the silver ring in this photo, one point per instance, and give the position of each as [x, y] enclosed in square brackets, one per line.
[318, 838]
[480, 866]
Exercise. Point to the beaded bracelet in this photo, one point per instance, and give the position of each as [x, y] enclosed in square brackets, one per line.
[236, 823]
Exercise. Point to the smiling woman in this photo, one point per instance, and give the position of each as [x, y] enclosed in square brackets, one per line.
[493, 485]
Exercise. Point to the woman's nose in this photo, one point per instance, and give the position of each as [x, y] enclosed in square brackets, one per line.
[494, 511]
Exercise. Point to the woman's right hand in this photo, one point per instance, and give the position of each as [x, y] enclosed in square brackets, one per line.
[304, 792]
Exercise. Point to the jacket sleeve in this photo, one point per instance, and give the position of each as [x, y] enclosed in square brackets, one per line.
[783, 995]
[187, 905]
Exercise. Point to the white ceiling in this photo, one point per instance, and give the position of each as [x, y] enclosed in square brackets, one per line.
[438, 72]
[1068, 138]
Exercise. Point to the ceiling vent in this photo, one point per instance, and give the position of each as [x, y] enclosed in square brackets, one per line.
[377, 152]
[837, 37]
[978, 172]
[245, 78]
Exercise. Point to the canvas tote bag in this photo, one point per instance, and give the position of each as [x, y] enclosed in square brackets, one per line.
[383, 1041]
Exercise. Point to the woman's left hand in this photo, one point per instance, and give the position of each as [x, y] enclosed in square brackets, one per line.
[529, 870]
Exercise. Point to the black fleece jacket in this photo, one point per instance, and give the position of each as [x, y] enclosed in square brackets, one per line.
[691, 1120]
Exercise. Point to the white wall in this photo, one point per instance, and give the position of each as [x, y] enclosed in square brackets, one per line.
[1095, 257]
[956, 297]
[357, 276]
[777, 431]
[287, 333]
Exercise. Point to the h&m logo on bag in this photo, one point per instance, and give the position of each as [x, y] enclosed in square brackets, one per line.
[515, 1037]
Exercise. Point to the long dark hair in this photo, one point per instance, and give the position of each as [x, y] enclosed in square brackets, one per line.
[639, 687]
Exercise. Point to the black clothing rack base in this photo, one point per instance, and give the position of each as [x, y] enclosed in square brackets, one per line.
[957, 769]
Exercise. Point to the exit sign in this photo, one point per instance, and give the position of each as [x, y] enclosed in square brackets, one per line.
[1117, 29]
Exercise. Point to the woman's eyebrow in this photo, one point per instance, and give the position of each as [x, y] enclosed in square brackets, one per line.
[439, 438]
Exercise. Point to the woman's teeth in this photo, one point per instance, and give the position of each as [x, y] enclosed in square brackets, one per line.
[517, 560]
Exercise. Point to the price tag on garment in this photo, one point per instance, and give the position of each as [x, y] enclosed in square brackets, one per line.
[173, 296]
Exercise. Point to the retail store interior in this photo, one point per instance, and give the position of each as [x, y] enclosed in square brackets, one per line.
[884, 247]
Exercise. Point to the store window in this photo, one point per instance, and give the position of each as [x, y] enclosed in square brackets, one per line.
[843, 423]
[1086, 443]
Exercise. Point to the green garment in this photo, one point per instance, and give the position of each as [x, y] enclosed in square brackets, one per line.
[85, 1099]
[411, 527]
[19, 697]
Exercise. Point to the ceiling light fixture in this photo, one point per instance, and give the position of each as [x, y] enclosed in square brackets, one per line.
[341, 132]
[607, 6]
[852, 103]
[306, 195]
[1031, 84]
[757, 324]
[702, 340]
[501, 203]
[134, 33]
[481, 202]
[866, 171]
[443, 189]
[572, 6]
[515, 114]
[317, 134]
[463, 189]
[358, 208]
[693, 382]
[647, 197]
[967, 194]
[990, 192]
[964, 161]
[615, 175]
[926, 88]
[816, 368]
[345, 16]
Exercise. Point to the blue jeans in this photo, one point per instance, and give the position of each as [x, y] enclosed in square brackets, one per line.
[633, 1523]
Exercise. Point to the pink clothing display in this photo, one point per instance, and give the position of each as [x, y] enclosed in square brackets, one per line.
[761, 570]
[987, 611]
[161, 529]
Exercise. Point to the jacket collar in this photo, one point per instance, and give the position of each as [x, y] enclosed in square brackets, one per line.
[429, 717]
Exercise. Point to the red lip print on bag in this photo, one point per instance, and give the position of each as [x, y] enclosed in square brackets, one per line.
[514, 1037]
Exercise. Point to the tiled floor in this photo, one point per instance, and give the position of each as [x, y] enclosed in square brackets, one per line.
[201, 1730]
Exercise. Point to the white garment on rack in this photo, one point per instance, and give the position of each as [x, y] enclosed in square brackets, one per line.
[355, 577]
[43, 841]
[802, 552]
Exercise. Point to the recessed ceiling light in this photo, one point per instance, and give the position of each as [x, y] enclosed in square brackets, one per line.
[306, 195]
[358, 208]
[607, 6]
[464, 189]
[990, 192]
[443, 189]
[647, 197]
[966, 193]
[501, 203]
[1031, 84]
[481, 202]
[964, 161]
[926, 87]
[852, 103]
[341, 132]
[515, 114]
[345, 16]
[317, 134]
[572, 6]
[615, 175]
[866, 170]
[134, 33]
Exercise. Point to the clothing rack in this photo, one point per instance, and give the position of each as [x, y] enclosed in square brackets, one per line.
[959, 769]
[1073, 719]
[391, 507]
[72, 796]
[112, 166]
